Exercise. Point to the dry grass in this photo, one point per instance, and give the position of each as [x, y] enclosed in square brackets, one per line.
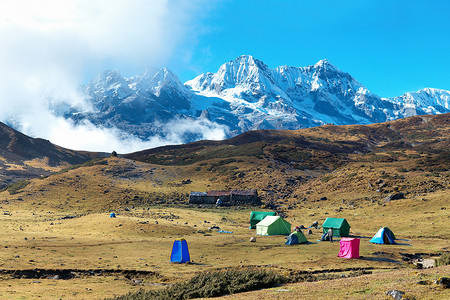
[134, 241]
[373, 286]
[43, 163]
[150, 203]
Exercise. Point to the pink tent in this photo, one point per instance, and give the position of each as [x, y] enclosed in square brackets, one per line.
[349, 248]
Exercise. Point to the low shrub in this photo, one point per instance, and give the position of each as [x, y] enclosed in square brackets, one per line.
[326, 178]
[443, 260]
[212, 284]
[17, 186]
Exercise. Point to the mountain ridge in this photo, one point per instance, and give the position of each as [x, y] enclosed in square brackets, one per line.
[24, 157]
[245, 94]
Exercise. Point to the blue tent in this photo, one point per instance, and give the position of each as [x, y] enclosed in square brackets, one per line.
[180, 252]
[296, 237]
[112, 215]
[384, 236]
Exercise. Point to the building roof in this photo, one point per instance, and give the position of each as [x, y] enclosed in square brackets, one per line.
[226, 193]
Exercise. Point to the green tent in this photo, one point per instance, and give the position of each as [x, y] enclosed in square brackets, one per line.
[273, 225]
[296, 237]
[258, 216]
[340, 226]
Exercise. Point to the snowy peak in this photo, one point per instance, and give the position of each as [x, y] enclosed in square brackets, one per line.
[324, 70]
[243, 74]
[324, 64]
[109, 83]
[155, 82]
[430, 100]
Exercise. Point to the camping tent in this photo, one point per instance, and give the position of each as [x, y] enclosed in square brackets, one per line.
[383, 236]
[180, 251]
[112, 215]
[296, 237]
[340, 226]
[349, 248]
[273, 225]
[258, 216]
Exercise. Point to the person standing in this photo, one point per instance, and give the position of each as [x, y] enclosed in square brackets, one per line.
[330, 234]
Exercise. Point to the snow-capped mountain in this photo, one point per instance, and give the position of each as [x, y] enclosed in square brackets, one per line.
[245, 94]
[427, 101]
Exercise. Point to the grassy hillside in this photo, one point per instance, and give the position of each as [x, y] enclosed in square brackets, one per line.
[61, 222]
[23, 157]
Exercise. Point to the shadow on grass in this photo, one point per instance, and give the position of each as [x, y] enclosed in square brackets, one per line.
[380, 259]
[302, 244]
[359, 237]
[403, 244]
[196, 263]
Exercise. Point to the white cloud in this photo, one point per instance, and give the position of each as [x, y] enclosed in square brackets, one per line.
[49, 46]
[89, 137]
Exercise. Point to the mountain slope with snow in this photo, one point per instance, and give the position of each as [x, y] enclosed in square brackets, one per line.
[244, 94]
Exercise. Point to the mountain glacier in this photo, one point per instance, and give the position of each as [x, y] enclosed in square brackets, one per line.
[244, 94]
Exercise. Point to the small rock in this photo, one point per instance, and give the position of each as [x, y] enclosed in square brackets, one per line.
[253, 239]
[397, 295]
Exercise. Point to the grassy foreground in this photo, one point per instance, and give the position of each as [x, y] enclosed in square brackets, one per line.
[141, 238]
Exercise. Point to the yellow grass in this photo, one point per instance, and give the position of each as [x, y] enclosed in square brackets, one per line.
[43, 163]
[33, 234]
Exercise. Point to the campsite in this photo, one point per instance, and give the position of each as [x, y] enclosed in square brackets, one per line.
[142, 239]
[60, 241]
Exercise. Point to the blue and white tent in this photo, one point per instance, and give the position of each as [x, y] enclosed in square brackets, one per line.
[384, 236]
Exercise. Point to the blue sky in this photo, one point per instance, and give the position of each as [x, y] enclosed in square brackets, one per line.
[391, 47]
[51, 47]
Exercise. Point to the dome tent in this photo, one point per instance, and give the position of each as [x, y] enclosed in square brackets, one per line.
[384, 236]
[296, 237]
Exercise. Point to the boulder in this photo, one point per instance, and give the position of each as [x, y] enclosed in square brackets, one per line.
[397, 295]
[443, 282]
[395, 196]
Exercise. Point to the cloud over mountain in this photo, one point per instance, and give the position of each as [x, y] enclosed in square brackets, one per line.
[50, 46]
